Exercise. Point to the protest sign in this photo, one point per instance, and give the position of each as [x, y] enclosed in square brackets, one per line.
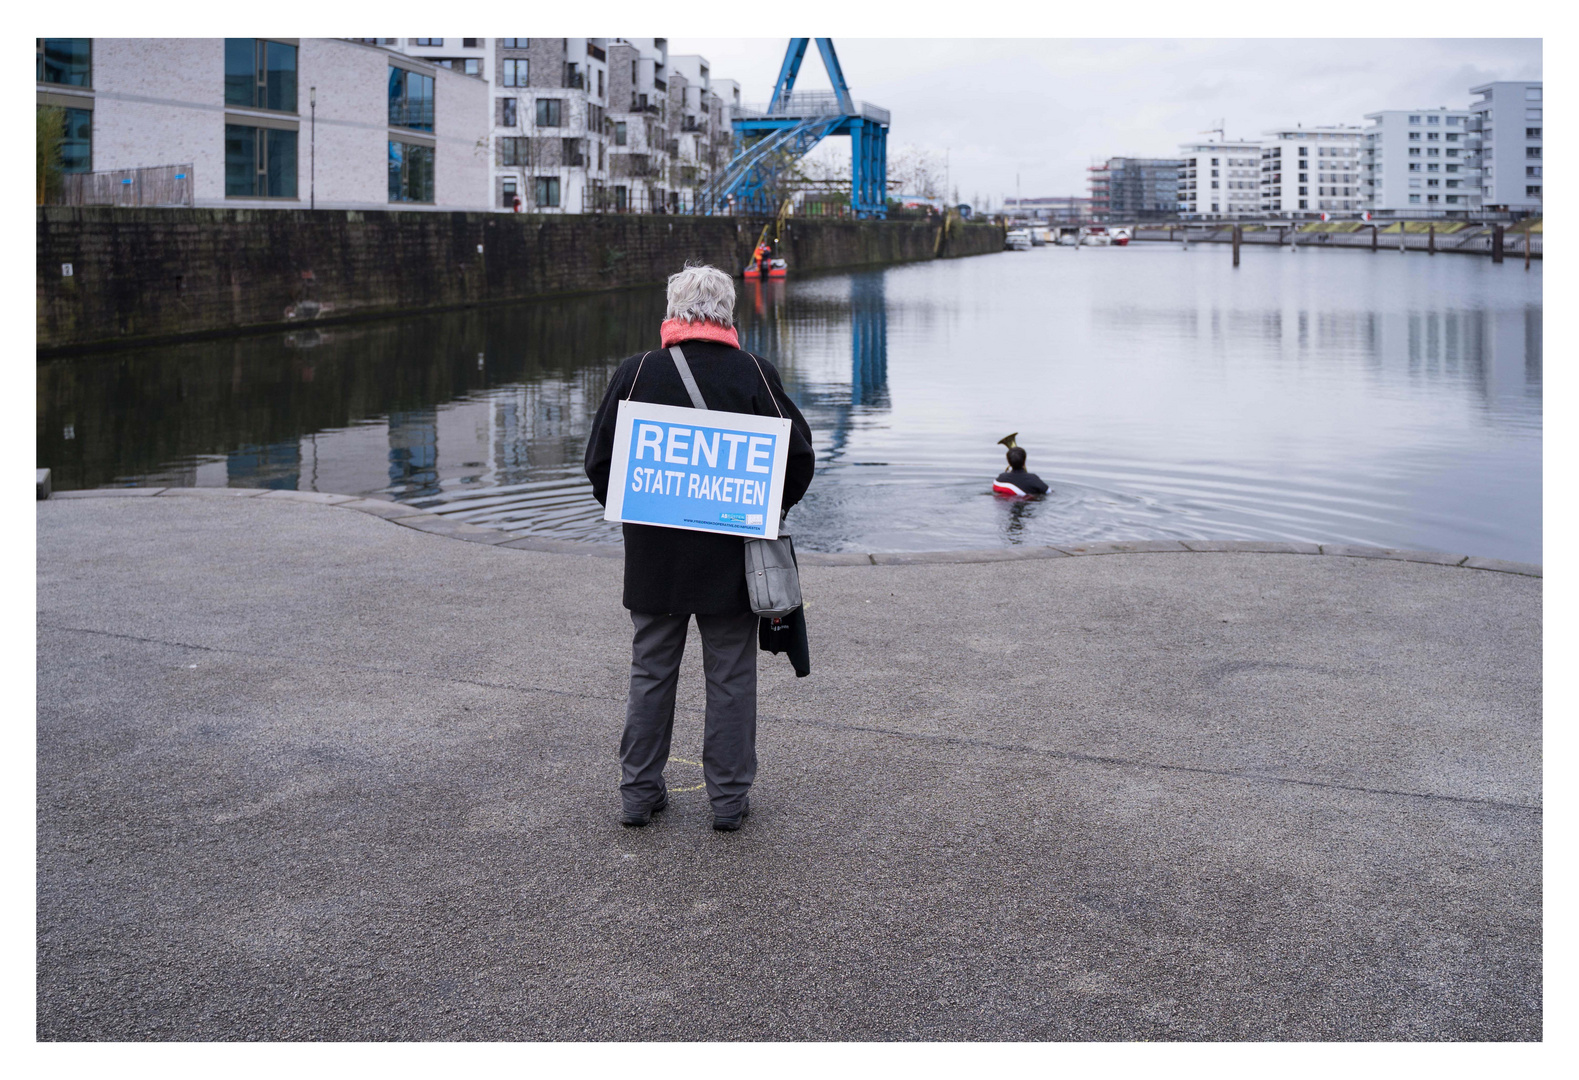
[698, 469]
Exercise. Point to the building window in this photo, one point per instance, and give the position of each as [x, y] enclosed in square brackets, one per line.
[1433, 198]
[1433, 183]
[1414, 151]
[1414, 166]
[514, 72]
[471, 42]
[512, 150]
[1453, 121]
[1414, 119]
[1414, 198]
[1433, 136]
[507, 194]
[1452, 198]
[550, 112]
[1532, 93]
[429, 41]
[1532, 114]
[410, 172]
[1433, 119]
[1414, 136]
[410, 100]
[1533, 192]
[619, 133]
[260, 74]
[507, 115]
[260, 162]
[600, 82]
[76, 147]
[1532, 133]
[1433, 168]
[515, 43]
[1532, 151]
[1532, 170]
[65, 61]
[545, 190]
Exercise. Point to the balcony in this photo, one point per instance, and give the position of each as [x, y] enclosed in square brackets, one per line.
[595, 52]
[574, 80]
[660, 84]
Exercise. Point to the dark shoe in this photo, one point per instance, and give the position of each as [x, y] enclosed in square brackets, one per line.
[644, 817]
[730, 824]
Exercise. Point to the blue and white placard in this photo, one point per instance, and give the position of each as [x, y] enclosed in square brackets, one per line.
[700, 469]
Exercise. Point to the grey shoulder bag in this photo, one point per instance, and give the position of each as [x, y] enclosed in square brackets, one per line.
[772, 577]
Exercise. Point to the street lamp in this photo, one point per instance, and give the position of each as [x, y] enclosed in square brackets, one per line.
[312, 182]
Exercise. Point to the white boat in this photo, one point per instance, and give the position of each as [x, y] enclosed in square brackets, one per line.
[1041, 235]
[1095, 236]
[1121, 234]
[1017, 240]
[1067, 236]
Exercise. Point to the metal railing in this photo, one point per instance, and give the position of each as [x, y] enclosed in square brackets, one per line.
[814, 103]
[158, 185]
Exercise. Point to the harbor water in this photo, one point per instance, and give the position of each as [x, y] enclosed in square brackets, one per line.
[1328, 396]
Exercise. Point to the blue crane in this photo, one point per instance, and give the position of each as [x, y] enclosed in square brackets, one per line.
[768, 142]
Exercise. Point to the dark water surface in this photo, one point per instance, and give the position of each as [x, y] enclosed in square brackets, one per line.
[1326, 396]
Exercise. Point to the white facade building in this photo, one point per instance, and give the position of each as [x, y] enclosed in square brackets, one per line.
[240, 112]
[1220, 180]
[547, 112]
[1419, 161]
[1310, 171]
[1505, 135]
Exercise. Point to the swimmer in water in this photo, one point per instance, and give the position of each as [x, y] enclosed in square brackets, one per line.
[1016, 482]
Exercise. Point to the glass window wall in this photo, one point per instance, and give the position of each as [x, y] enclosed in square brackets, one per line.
[259, 162]
[66, 61]
[410, 172]
[410, 99]
[260, 74]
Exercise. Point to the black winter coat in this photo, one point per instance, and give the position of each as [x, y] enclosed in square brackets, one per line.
[675, 571]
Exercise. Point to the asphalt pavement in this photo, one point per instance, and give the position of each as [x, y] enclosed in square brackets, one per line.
[306, 774]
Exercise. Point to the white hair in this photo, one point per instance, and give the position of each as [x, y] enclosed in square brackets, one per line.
[702, 294]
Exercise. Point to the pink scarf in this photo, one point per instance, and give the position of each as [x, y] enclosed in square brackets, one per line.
[675, 331]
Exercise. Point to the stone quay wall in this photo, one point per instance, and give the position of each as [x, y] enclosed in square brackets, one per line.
[113, 275]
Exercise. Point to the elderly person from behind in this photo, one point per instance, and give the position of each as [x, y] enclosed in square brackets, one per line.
[673, 574]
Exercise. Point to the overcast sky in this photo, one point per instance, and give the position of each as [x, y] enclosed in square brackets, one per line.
[1047, 108]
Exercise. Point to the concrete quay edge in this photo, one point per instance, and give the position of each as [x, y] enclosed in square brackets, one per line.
[439, 525]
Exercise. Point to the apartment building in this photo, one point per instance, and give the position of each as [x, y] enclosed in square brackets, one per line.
[1504, 137]
[699, 123]
[1219, 180]
[1419, 161]
[548, 114]
[1134, 189]
[1314, 170]
[639, 147]
[273, 122]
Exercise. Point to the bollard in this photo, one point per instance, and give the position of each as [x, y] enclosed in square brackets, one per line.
[1496, 243]
[1373, 237]
[1430, 239]
[1526, 248]
[1236, 245]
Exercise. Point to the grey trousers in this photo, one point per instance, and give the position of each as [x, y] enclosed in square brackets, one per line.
[729, 735]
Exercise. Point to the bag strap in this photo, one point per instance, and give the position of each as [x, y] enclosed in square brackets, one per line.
[767, 384]
[687, 378]
[637, 377]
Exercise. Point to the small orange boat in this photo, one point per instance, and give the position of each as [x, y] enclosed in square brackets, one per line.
[776, 268]
[763, 266]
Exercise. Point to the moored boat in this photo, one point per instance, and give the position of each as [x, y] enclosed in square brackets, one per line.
[1017, 240]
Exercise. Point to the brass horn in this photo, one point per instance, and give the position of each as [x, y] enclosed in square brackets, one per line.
[1008, 440]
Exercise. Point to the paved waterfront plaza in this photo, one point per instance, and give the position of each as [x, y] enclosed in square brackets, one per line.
[308, 774]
